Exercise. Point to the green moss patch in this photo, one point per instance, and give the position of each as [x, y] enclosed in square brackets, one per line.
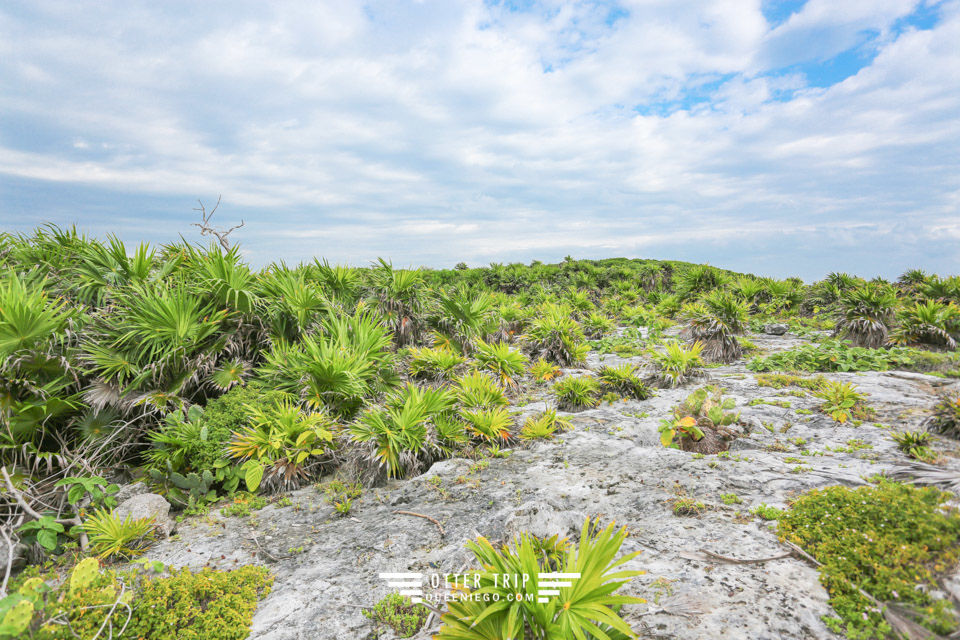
[891, 540]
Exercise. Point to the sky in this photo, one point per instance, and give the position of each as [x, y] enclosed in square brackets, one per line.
[774, 137]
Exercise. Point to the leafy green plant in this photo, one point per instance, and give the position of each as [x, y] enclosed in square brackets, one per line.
[577, 393]
[677, 363]
[891, 540]
[543, 371]
[435, 364]
[731, 498]
[587, 608]
[544, 426]
[398, 613]
[840, 400]
[832, 355]
[506, 364]
[281, 445]
[704, 412]
[623, 380]
[915, 444]
[110, 536]
[44, 531]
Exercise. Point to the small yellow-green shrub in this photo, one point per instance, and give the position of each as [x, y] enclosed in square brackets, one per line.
[891, 540]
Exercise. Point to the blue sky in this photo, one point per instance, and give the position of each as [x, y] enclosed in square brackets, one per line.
[780, 138]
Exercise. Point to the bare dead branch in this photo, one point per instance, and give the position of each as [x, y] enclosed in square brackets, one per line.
[207, 230]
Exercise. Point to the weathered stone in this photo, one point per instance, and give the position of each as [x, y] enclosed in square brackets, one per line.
[148, 505]
[775, 329]
[128, 491]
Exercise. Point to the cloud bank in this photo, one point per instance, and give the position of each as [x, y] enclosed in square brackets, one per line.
[782, 138]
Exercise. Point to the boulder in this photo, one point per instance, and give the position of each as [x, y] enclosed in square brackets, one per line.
[148, 505]
[128, 491]
[775, 329]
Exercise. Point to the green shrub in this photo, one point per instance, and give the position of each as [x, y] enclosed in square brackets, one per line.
[577, 394]
[677, 363]
[435, 364]
[208, 605]
[398, 613]
[891, 540]
[623, 380]
[506, 364]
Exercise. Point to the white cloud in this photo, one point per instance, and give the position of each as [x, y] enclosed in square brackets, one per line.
[352, 132]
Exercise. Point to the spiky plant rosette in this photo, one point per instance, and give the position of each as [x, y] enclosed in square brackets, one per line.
[716, 321]
[865, 314]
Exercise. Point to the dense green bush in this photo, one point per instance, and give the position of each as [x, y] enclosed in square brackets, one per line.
[891, 540]
[208, 605]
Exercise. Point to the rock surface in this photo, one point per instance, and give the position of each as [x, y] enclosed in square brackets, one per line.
[610, 465]
[775, 329]
[148, 505]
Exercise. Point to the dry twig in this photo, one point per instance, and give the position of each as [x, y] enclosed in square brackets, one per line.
[420, 515]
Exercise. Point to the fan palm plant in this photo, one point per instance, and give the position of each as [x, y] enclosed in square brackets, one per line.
[39, 380]
[348, 362]
[716, 321]
[156, 347]
[342, 281]
[398, 295]
[585, 609]
[414, 426]
[464, 317]
[700, 279]
[102, 267]
[864, 315]
[477, 390]
[577, 394]
[931, 323]
[676, 364]
[283, 446]
[557, 337]
[438, 364]
[506, 364]
[290, 303]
